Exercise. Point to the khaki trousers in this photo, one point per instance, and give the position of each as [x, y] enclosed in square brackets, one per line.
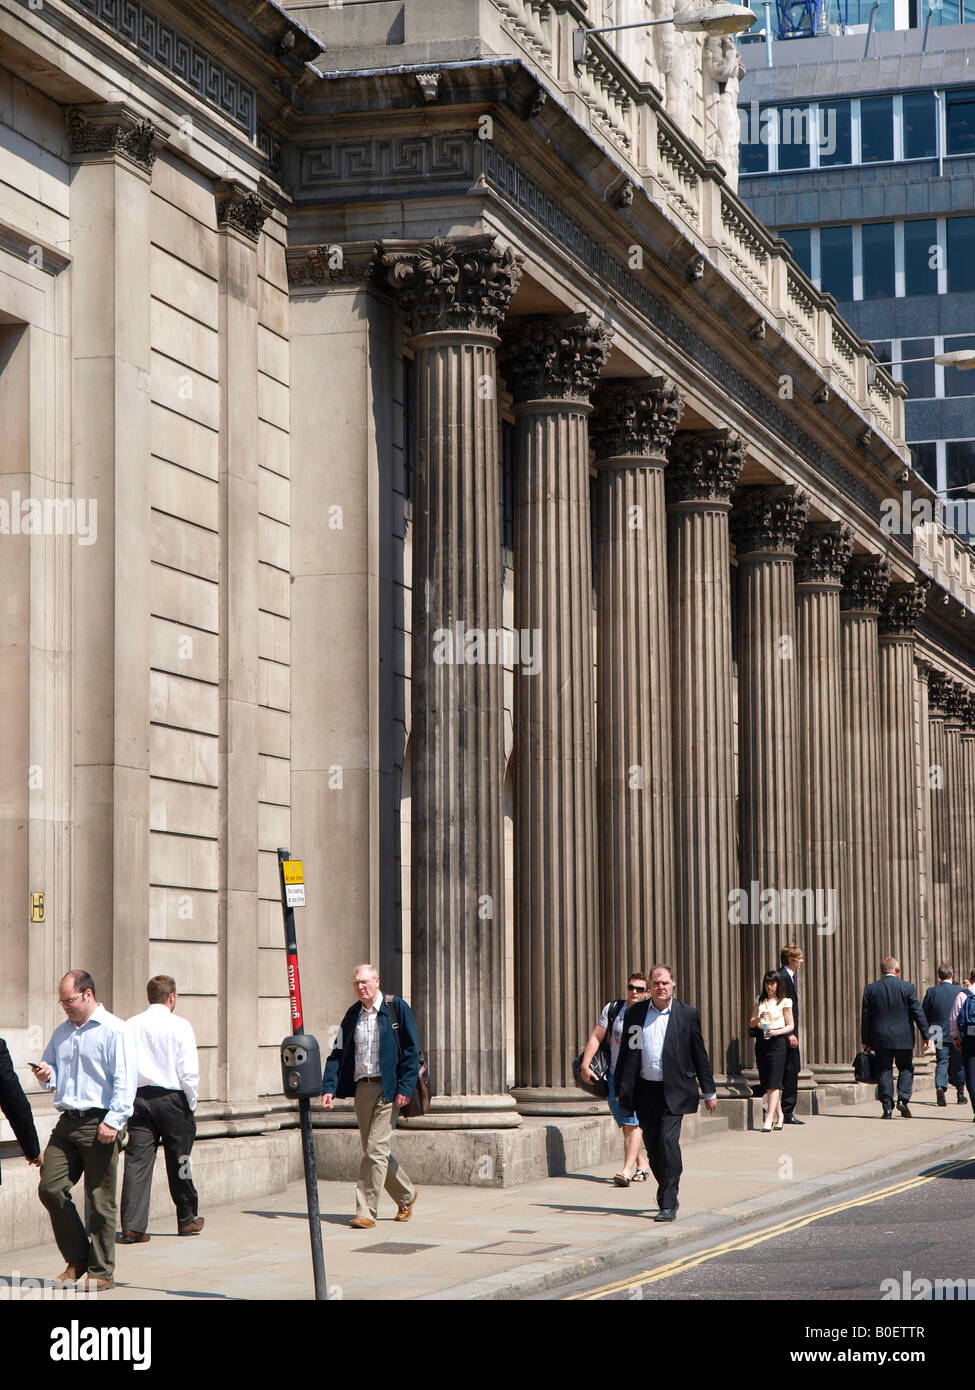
[378, 1169]
[72, 1150]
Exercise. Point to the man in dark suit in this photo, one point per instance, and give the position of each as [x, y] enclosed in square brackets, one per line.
[16, 1107]
[791, 959]
[889, 1011]
[661, 1052]
[937, 1005]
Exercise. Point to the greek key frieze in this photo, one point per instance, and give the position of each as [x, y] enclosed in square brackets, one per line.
[338, 163]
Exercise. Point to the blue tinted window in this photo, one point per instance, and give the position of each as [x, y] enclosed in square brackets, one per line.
[919, 125]
[921, 257]
[961, 254]
[960, 470]
[957, 382]
[876, 129]
[960, 122]
[800, 240]
[924, 458]
[918, 377]
[835, 143]
[753, 142]
[836, 261]
[878, 260]
[793, 137]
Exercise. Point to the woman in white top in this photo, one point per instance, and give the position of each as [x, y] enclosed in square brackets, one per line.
[773, 1014]
[636, 989]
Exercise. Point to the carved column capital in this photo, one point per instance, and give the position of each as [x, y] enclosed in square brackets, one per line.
[704, 466]
[461, 284]
[635, 418]
[769, 519]
[939, 693]
[241, 208]
[554, 358]
[954, 700]
[865, 584]
[112, 129]
[902, 607]
[824, 552]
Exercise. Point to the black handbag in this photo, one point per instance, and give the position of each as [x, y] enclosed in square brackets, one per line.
[599, 1069]
[865, 1067]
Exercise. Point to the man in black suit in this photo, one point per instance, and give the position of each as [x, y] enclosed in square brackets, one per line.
[790, 958]
[937, 1005]
[661, 1052]
[16, 1107]
[889, 1010]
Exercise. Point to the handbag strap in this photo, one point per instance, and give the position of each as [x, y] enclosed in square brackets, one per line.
[394, 1019]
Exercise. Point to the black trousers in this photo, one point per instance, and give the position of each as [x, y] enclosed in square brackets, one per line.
[886, 1057]
[661, 1135]
[790, 1079]
[160, 1117]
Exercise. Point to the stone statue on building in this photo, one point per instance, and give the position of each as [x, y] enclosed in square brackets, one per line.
[723, 69]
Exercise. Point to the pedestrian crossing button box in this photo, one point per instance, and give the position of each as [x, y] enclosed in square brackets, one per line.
[301, 1066]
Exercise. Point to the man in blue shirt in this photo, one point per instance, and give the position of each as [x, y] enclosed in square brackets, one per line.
[91, 1067]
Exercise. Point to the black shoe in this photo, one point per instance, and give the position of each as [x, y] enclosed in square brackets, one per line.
[791, 1120]
[903, 1107]
[962, 1098]
[941, 1095]
[887, 1114]
[666, 1214]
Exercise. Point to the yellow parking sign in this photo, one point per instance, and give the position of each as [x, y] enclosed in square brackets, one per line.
[294, 871]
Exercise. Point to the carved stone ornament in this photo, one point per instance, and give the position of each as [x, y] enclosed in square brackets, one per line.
[955, 700]
[623, 197]
[704, 467]
[865, 584]
[243, 210]
[429, 85]
[769, 519]
[635, 418]
[554, 358]
[968, 714]
[823, 553]
[331, 265]
[122, 135]
[903, 606]
[938, 683]
[466, 283]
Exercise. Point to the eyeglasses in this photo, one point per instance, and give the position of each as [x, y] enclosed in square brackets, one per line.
[639, 989]
[70, 999]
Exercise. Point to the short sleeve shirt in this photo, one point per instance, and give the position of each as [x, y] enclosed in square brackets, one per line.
[614, 1042]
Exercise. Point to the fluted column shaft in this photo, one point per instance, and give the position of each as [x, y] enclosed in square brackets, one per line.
[940, 823]
[633, 424]
[958, 812]
[967, 947]
[701, 476]
[455, 294]
[551, 368]
[830, 1035]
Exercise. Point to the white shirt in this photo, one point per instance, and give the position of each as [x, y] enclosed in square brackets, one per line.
[956, 1010]
[654, 1033]
[94, 1066]
[166, 1051]
[617, 1033]
[367, 1039]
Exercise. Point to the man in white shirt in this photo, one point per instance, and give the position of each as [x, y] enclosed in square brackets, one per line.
[90, 1066]
[169, 1082]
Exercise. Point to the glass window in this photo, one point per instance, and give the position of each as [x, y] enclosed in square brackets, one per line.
[753, 140]
[960, 470]
[858, 12]
[800, 239]
[881, 351]
[794, 135]
[957, 382]
[836, 261]
[960, 122]
[920, 140]
[961, 254]
[835, 142]
[924, 459]
[921, 256]
[878, 260]
[917, 376]
[876, 129]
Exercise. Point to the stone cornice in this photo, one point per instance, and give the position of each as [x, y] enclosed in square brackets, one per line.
[823, 553]
[902, 607]
[768, 519]
[704, 466]
[559, 358]
[865, 584]
[112, 129]
[635, 418]
[241, 209]
[33, 250]
[462, 283]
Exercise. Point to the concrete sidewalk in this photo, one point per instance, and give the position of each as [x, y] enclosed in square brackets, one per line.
[495, 1243]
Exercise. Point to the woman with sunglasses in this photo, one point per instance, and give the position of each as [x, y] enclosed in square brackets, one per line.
[773, 1016]
[611, 1021]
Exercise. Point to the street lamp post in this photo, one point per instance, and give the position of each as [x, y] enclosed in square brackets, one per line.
[963, 359]
[715, 19]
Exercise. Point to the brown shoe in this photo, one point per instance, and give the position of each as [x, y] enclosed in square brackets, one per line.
[71, 1275]
[132, 1238]
[95, 1285]
[406, 1212]
[361, 1223]
[192, 1228]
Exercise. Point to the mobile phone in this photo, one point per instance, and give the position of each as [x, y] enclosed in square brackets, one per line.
[34, 1066]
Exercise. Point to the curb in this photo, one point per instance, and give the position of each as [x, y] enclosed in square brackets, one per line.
[540, 1275]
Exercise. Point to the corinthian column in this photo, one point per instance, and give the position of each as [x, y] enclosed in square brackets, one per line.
[455, 295]
[968, 769]
[633, 424]
[937, 781]
[899, 614]
[956, 704]
[701, 476]
[766, 525]
[868, 900]
[830, 1034]
[551, 367]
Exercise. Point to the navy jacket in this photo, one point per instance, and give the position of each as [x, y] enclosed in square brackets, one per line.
[16, 1106]
[889, 1010]
[938, 1004]
[791, 992]
[685, 1059]
[399, 1073]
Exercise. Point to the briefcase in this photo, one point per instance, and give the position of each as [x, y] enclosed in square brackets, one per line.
[865, 1066]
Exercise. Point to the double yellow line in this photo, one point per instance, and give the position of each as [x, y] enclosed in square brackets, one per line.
[668, 1271]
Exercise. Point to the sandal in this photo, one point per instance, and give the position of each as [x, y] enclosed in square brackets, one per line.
[641, 1175]
[621, 1180]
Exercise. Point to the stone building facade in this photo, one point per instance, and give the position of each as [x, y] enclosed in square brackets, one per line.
[487, 508]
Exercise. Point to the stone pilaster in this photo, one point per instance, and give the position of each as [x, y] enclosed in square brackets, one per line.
[830, 1036]
[968, 770]
[865, 586]
[551, 367]
[631, 429]
[899, 615]
[956, 705]
[766, 524]
[939, 803]
[455, 295]
[701, 476]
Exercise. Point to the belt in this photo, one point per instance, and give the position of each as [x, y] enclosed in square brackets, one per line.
[84, 1114]
[377, 1079]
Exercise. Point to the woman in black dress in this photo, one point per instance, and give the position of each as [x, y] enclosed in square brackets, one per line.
[773, 1015]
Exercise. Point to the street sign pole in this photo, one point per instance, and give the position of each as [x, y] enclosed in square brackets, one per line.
[291, 897]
